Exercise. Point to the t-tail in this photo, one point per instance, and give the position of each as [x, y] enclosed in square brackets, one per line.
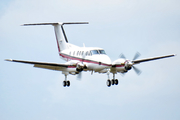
[59, 33]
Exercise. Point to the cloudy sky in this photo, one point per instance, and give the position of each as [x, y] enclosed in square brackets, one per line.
[151, 27]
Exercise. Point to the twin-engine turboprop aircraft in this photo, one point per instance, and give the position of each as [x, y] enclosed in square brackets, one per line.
[81, 59]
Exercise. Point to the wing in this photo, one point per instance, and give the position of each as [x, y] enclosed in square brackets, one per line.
[45, 65]
[121, 64]
[150, 59]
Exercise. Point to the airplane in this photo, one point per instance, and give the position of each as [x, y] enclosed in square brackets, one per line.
[92, 59]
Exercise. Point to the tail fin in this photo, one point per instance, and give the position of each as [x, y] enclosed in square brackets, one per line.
[59, 33]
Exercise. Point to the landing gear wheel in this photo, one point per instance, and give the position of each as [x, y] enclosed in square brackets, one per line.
[116, 82]
[112, 81]
[67, 83]
[64, 83]
[108, 83]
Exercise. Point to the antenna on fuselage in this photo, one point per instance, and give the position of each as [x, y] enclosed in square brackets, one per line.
[84, 45]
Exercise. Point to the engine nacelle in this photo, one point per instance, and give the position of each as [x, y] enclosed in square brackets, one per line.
[128, 64]
[80, 67]
[72, 62]
[119, 61]
[122, 63]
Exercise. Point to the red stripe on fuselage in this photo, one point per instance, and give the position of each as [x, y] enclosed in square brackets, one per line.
[82, 60]
[119, 66]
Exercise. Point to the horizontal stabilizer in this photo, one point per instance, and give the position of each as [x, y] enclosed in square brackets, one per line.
[59, 32]
[58, 23]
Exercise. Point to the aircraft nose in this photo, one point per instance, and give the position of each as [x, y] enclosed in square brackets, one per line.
[105, 59]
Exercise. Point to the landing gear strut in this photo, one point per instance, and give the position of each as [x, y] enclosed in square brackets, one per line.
[108, 83]
[114, 81]
[66, 82]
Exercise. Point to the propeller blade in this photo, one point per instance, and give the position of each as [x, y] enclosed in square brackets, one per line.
[138, 71]
[79, 76]
[136, 55]
[122, 56]
[122, 74]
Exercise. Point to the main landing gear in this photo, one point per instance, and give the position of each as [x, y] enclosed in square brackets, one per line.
[112, 82]
[66, 82]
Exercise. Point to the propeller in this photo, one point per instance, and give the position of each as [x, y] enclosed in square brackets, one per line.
[122, 74]
[136, 55]
[80, 67]
[129, 64]
[122, 56]
[79, 76]
[138, 71]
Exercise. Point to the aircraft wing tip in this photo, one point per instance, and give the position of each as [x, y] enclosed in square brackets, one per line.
[8, 60]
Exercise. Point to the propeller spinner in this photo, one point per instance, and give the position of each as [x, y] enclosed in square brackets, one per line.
[129, 63]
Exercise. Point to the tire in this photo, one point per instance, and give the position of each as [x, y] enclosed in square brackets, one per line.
[112, 81]
[64, 83]
[108, 83]
[67, 83]
[116, 81]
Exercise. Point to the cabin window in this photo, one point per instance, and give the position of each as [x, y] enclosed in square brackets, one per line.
[77, 53]
[82, 53]
[74, 53]
[90, 53]
[94, 52]
[102, 52]
[69, 53]
[87, 53]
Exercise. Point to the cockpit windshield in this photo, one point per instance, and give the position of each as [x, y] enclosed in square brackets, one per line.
[95, 52]
[102, 52]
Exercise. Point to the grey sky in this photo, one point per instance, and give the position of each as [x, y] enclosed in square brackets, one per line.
[150, 27]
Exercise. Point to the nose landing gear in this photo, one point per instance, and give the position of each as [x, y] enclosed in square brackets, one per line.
[112, 82]
[108, 83]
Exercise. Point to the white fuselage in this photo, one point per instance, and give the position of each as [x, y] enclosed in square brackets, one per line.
[94, 58]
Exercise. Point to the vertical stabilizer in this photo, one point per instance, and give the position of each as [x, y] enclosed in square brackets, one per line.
[60, 37]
